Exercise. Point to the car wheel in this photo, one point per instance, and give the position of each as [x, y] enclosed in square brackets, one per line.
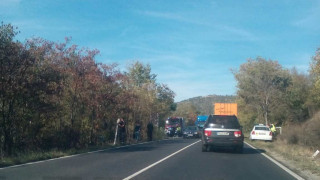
[204, 148]
[209, 148]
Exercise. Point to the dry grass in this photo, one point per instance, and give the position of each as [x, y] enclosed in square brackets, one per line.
[27, 157]
[297, 143]
[304, 134]
[301, 156]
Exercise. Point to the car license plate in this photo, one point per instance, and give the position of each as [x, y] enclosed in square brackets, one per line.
[262, 133]
[190, 134]
[222, 133]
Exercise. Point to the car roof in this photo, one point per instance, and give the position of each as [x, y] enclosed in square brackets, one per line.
[260, 125]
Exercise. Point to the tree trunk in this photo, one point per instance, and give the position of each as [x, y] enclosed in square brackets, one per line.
[266, 110]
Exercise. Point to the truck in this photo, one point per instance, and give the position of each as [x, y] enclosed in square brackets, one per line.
[174, 126]
[201, 120]
[229, 109]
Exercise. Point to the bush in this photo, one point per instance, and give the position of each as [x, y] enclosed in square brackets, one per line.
[311, 134]
[290, 134]
[159, 133]
[306, 134]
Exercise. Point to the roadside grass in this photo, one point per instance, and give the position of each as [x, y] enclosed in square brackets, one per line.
[33, 156]
[159, 134]
[22, 158]
[300, 155]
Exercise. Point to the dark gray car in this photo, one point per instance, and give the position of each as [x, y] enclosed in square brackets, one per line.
[222, 131]
[191, 132]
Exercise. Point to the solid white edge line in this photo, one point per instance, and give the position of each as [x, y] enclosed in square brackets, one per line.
[75, 155]
[277, 163]
[150, 166]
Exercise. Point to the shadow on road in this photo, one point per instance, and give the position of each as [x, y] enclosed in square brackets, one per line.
[147, 146]
[130, 149]
[253, 151]
[245, 151]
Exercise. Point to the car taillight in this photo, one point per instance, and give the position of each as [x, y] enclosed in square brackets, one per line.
[237, 133]
[207, 132]
[270, 134]
[253, 133]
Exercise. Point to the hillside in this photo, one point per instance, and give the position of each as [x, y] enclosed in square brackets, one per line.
[204, 104]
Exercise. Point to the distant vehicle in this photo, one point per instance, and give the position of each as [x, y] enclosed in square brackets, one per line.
[191, 132]
[226, 109]
[261, 132]
[201, 120]
[222, 131]
[174, 126]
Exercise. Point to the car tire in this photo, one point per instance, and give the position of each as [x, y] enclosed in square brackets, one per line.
[204, 148]
[209, 148]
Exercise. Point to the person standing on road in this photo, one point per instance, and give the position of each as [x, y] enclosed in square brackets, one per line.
[122, 131]
[149, 130]
[179, 133]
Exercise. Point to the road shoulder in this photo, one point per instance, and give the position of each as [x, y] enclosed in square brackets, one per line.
[306, 174]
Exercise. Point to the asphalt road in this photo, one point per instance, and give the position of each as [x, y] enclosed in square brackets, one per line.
[121, 163]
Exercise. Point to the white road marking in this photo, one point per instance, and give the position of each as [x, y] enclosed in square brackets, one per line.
[277, 163]
[150, 166]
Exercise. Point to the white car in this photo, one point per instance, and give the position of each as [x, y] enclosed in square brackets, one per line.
[261, 132]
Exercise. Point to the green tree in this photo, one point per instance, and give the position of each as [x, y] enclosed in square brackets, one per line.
[314, 98]
[297, 97]
[151, 101]
[165, 103]
[261, 87]
[141, 74]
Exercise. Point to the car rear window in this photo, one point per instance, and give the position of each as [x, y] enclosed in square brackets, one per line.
[192, 128]
[262, 128]
[217, 121]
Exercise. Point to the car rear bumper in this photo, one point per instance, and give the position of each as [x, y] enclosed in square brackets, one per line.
[190, 136]
[224, 142]
[265, 138]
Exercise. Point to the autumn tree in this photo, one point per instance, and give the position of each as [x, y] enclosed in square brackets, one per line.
[55, 95]
[11, 73]
[26, 89]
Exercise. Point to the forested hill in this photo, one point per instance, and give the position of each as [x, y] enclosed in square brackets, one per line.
[204, 104]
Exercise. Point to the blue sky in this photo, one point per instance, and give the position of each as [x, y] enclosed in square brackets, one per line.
[190, 44]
